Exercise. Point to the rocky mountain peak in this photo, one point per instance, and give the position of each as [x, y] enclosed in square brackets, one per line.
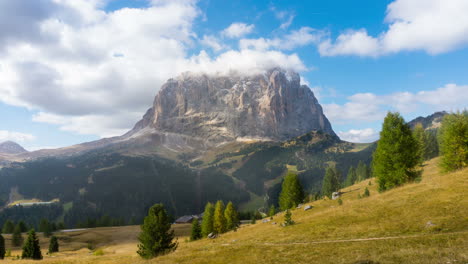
[220, 108]
[10, 147]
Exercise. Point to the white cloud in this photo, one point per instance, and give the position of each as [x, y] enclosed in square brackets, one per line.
[212, 42]
[18, 137]
[433, 26]
[92, 72]
[369, 107]
[236, 30]
[296, 38]
[286, 17]
[359, 135]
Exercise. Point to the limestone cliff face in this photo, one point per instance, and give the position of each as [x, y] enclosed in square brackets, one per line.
[221, 108]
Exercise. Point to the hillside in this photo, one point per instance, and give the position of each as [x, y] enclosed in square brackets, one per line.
[423, 222]
[99, 182]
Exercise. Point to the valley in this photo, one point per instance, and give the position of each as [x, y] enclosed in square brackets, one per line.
[376, 229]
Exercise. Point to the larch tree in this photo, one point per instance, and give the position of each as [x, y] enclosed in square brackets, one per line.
[31, 248]
[292, 192]
[16, 238]
[453, 140]
[53, 245]
[232, 217]
[196, 230]
[219, 221]
[8, 227]
[156, 237]
[396, 158]
[331, 181]
[351, 178]
[421, 138]
[207, 222]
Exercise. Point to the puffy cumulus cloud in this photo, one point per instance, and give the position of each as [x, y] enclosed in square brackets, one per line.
[359, 135]
[18, 137]
[95, 72]
[243, 61]
[296, 38]
[369, 107]
[212, 42]
[236, 30]
[433, 26]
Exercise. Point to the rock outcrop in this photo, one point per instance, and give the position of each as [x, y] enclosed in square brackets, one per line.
[222, 108]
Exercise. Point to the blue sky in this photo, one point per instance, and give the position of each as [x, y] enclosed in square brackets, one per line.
[75, 71]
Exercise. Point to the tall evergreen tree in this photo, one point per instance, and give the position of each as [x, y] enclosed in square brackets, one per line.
[156, 237]
[219, 221]
[396, 158]
[272, 211]
[432, 144]
[453, 140]
[232, 217]
[421, 139]
[351, 178]
[207, 222]
[53, 245]
[31, 248]
[8, 227]
[196, 230]
[16, 238]
[361, 171]
[23, 226]
[45, 227]
[331, 181]
[2, 247]
[292, 192]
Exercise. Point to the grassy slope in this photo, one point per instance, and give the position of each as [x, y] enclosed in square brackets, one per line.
[320, 234]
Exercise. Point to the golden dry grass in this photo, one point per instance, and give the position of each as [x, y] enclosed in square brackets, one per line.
[388, 227]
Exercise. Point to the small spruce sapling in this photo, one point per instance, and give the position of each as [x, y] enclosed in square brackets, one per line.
[366, 192]
[288, 218]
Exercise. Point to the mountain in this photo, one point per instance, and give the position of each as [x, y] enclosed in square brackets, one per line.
[10, 147]
[206, 137]
[272, 106]
[432, 121]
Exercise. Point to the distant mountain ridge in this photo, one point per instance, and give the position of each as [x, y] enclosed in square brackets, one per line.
[10, 147]
[432, 121]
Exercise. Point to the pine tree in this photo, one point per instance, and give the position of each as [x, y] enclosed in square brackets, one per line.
[272, 211]
[453, 140]
[396, 158]
[288, 218]
[8, 227]
[53, 245]
[232, 218]
[156, 237]
[366, 192]
[196, 230]
[2, 247]
[253, 221]
[432, 144]
[351, 178]
[207, 222]
[219, 221]
[421, 139]
[31, 248]
[331, 182]
[16, 238]
[23, 226]
[45, 227]
[361, 171]
[292, 192]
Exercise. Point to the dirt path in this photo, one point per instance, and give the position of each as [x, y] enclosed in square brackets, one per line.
[350, 240]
